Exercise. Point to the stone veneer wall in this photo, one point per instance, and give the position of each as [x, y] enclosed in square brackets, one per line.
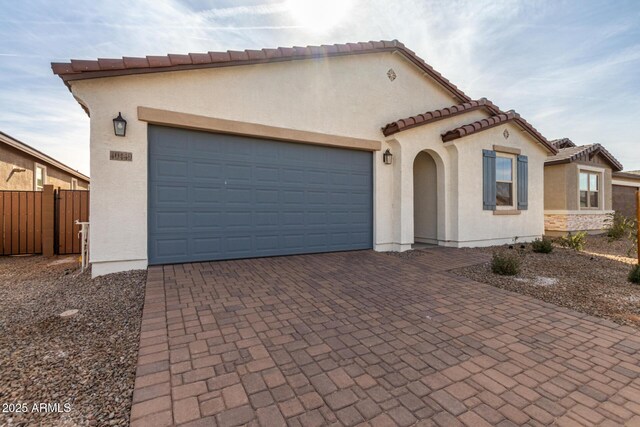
[576, 221]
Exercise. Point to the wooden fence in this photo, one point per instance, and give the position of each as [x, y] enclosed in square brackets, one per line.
[71, 205]
[42, 222]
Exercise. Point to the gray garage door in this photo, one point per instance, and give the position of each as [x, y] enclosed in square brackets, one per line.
[215, 197]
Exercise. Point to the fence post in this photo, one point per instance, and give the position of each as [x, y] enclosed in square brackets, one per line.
[47, 220]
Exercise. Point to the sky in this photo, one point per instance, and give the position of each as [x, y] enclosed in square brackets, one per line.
[570, 68]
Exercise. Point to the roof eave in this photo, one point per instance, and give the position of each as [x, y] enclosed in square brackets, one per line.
[33, 152]
[68, 75]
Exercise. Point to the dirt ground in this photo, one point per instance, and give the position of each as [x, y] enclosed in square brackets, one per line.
[593, 281]
[86, 361]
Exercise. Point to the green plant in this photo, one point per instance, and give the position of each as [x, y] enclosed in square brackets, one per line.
[574, 241]
[505, 263]
[620, 226]
[542, 246]
[634, 274]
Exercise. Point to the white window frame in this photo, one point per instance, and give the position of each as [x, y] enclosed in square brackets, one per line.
[601, 190]
[35, 176]
[514, 177]
[74, 184]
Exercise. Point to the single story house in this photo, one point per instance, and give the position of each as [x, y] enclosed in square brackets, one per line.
[23, 168]
[298, 150]
[625, 185]
[578, 188]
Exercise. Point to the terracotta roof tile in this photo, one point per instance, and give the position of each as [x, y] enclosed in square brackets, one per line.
[159, 61]
[179, 59]
[238, 55]
[573, 153]
[220, 56]
[111, 64]
[562, 143]
[130, 62]
[200, 58]
[435, 115]
[62, 68]
[272, 53]
[79, 70]
[80, 66]
[497, 120]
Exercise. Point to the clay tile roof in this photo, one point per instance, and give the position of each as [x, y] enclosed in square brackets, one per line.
[497, 120]
[135, 62]
[435, 115]
[80, 66]
[200, 58]
[159, 61]
[573, 153]
[111, 64]
[562, 143]
[255, 54]
[179, 59]
[272, 53]
[220, 57]
[88, 69]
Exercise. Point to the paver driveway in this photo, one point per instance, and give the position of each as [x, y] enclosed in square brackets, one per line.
[345, 338]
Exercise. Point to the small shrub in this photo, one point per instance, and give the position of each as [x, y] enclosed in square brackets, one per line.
[574, 241]
[634, 274]
[542, 246]
[620, 226]
[505, 263]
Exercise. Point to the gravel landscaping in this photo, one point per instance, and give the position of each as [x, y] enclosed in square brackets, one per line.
[86, 360]
[593, 281]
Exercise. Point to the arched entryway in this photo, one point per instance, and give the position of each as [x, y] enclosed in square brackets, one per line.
[425, 199]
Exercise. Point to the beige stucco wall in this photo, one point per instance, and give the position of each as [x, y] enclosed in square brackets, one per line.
[562, 198]
[477, 227]
[347, 96]
[562, 184]
[344, 96]
[555, 186]
[11, 158]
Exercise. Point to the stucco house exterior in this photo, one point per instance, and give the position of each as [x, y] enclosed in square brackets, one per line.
[625, 184]
[23, 168]
[298, 150]
[578, 188]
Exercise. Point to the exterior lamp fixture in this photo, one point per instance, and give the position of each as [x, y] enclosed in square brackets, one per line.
[119, 125]
[387, 157]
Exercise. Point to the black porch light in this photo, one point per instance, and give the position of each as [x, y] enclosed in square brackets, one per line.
[120, 125]
[387, 157]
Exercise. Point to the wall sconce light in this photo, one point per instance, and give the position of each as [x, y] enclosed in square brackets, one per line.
[119, 125]
[387, 157]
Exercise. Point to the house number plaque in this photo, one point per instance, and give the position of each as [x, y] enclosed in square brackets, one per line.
[122, 156]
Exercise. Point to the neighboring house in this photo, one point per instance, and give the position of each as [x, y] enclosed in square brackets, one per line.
[298, 150]
[23, 168]
[625, 185]
[577, 188]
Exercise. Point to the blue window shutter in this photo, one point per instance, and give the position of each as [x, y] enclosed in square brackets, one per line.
[488, 180]
[523, 182]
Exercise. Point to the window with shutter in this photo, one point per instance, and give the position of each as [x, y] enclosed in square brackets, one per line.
[523, 182]
[488, 180]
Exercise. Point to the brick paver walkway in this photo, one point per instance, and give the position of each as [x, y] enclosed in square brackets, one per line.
[348, 338]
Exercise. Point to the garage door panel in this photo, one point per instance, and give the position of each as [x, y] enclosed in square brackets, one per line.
[169, 248]
[206, 171]
[170, 193]
[207, 196]
[217, 196]
[207, 246]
